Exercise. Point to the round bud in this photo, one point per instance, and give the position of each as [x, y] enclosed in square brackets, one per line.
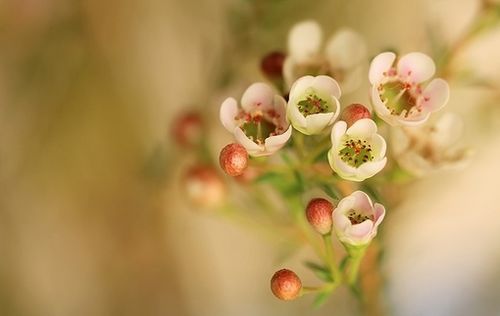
[354, 112]
[203, 186]
[319, 215]
[286, 285]
[272, 65]
[188, 128]
[233, 159]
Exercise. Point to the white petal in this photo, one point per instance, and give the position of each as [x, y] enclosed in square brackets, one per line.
[345, 49]
[304, 40]
[380, 64]
[227, 113]
[379, 146]
[299, 87]
[258, 95]
[338, 131]
[280, 108]
[414, 120]
[435, 95]
[289, 71]
[447, 130]
[316, 123]
[353, 78]
[362, 128]
[417, 67]
[252, 148]
[274, 143]
[371, 168]
[326, 84]
[296, 118]
[380, 107]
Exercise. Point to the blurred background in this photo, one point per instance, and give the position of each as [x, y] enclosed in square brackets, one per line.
[92, 217]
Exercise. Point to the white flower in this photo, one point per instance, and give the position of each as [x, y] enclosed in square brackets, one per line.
[260, 125]
[313, 104]
[356, 219]
[398, 96]
[431, 147]
[357, 152]
[342, 57]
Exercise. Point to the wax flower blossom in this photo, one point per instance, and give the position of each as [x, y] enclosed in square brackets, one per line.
[313, 104]
[357, 152]
[342, 57]
[431, 147]
[399, 95]
[260, 125]
[356, 219]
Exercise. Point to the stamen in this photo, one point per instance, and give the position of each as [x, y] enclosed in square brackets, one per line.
[356, 152]
[358, 218]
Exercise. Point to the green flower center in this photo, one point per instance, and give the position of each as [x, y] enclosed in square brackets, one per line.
[356, 152]
[398, 98]
[258, 126]
[358, 218]
[312, 104]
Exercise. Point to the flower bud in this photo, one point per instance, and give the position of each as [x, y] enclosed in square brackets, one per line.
[187, 130]
[353, 113]
[319, 215]
[203, 186]
[272, 65]
[286, 285]
[233, 159]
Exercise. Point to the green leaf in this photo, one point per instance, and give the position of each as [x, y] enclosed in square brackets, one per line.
[320, 271]
[321, 298]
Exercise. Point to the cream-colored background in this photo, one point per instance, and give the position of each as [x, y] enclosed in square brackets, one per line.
[88, 90]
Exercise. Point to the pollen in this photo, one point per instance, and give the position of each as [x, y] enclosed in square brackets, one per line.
[358, 218]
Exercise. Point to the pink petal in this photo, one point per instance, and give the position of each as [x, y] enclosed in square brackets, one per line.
[379, 213]
[416, 67]
[227, 113]
[435, 95]
[380, 64]
[326, 84]
[304, 40]
[258, 96]
[280, 108]
[362, 201]
[360, 230]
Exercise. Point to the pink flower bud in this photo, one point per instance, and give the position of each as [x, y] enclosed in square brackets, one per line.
[272, 64]
[203, 186]
[319, 215]
[286, 285]
[354, 112]
[187, 130]
[233, 159]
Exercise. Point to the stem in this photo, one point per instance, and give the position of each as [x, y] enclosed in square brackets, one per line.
[355, 263]
[330, 258]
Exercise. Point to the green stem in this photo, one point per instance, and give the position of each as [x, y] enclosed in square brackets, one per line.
[355, 257]
[330, 258]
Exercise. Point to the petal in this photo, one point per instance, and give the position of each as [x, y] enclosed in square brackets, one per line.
[360, 230]
[252, 148]
[379, 106]
[380, 64]
[326, 84]
[227, 113]
[304, 40]
[371, 168]
[299, 87]
[447, 130]
[414, 120]
[435, 95]
[416, 67]
[289, 71]
[274, 143]
[379, 146]
[316, 123]
[338, 131]
[379, 210]
[344, 170]
[258, 95]
[363, 128]
[353, 78]
[280, 109]
[362, 201]
[296, 118]
[345, 49]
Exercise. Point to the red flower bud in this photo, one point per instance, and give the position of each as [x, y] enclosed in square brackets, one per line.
[272, 65]
[188, 128]
[319, 215]
[233, 159]
[286, 285]
[203, 186]
[354, 112]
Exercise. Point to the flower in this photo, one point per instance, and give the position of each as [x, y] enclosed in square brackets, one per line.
[233, 159]
[431, 147]
[342, 58]
[260, 125]
[355, 219]
[286, 285]
[313, 104]
[398, 94]
[357, 152]
[319, 215]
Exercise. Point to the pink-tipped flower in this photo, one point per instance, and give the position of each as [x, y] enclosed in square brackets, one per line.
[357, 152]
[187, 129]
[272, 65]
[286, 285]
[356, 219]
[233, 159]
[203, 186]
[400, 94]
[353, 113]
[319, 215]
[260, 125]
